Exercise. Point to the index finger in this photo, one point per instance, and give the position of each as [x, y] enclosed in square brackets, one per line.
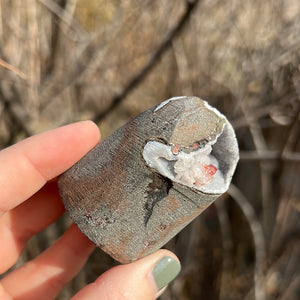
[26, 166]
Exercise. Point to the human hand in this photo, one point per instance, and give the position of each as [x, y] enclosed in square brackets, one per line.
[29, 202]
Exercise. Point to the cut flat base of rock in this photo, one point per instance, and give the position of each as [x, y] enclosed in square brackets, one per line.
[143, 184]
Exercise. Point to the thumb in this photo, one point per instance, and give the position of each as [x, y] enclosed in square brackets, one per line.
[142, 279]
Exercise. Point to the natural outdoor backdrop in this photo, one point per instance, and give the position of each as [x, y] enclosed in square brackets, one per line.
[65, 60]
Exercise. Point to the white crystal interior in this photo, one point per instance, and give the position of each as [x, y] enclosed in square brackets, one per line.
[190, 169]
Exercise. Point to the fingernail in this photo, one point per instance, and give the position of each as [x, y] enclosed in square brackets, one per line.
[165, 271]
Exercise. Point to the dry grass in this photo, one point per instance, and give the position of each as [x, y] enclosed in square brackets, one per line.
[68, 60]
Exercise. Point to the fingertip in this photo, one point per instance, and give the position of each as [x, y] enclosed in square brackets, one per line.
[145, 279]
[92, 127]
[165, 271]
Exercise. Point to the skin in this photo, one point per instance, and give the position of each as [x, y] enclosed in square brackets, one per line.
[30, 202]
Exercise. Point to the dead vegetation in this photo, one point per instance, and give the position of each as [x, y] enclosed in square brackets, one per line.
[67, 60]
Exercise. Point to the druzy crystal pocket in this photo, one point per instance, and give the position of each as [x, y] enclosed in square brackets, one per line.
[139, 187]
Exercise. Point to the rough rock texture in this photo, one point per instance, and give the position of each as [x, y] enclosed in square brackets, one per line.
[127, 198]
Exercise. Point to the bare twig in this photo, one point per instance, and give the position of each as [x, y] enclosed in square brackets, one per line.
[182, 65]
[34, 60]
[265, 172]
[12, 68]
[269, 155]
[65, 16]
[227, 245]
[14, 116]
[181, 61]
[154, 59]
[258, 237]
[253, 114]
[1, 22]
[58, 11]
[292, 134]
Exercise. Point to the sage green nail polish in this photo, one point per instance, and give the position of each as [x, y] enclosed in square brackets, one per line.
[165, 271]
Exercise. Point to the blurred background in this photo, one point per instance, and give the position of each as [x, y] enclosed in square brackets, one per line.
[67, 60]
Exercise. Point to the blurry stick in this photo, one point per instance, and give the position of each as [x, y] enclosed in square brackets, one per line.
[1, 24]
[181, 60]
[58, 11]
[183, 67]
[265, 170]
[14, 115]
[260, 112]
[16, 51]
[227, 246]
[269, 155]
[33, 63]
[11, 45]
[13, 69]
[66, 15]
[70, 8]
[293, 130]
[258, 238]
[292, 135]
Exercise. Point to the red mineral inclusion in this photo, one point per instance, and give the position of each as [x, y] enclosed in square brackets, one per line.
[195, 146]
[209, 171]
[175, 149]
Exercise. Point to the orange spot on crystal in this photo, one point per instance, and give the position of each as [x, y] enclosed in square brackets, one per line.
[210, 169]
[175, 149]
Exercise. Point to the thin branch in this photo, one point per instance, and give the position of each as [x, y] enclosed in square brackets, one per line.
[50, 63]
[162, 48]
[12, 69]
[292, 134]
[33, 64]
[181, 60]
[15, 118]
[254, 114]
[269, 155]
[58, 11]
[227, 245]
[265, 171]
[1, 23]
[65, 16]
[258, 238]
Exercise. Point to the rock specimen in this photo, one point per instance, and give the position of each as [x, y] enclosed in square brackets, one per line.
[140, 186]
